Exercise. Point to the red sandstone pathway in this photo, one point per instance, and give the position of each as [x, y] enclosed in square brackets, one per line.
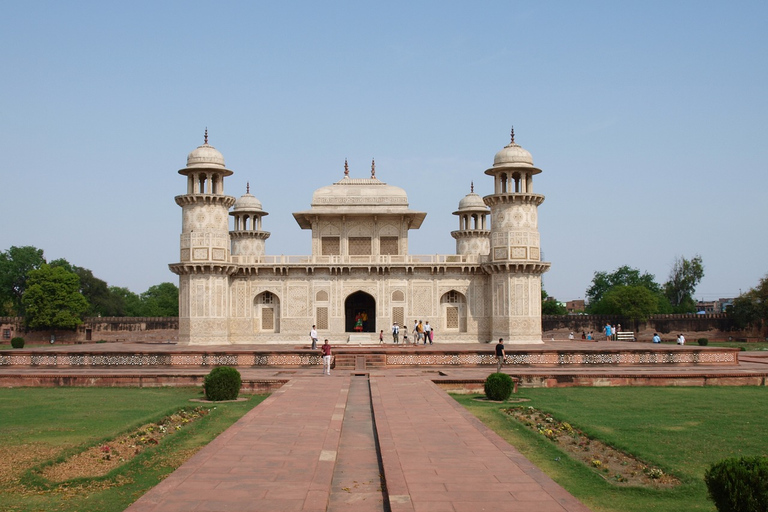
[287, 454]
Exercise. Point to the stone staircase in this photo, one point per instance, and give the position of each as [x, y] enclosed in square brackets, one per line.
[359, 361]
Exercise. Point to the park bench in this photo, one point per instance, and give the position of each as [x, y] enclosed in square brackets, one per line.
[625, 336]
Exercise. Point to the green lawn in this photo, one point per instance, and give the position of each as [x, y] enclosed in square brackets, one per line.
[41, 424]
[682, 430]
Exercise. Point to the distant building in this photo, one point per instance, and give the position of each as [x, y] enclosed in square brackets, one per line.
[359, 278]
[575, 306]
[715, 306]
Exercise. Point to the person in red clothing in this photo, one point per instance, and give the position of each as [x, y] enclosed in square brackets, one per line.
[326, 357]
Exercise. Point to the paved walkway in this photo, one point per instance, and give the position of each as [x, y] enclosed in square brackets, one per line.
[309, 444]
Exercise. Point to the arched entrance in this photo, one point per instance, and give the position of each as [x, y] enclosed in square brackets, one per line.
[360, 308]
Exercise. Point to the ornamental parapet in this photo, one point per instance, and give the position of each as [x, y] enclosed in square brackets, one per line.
[513, 198]
[247, 234]
[209, 199]
[471, 233]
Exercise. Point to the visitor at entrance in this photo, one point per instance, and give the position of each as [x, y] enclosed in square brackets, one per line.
[381, 336]
[420, 329]
[395, 333]
[326, 358]
[608, 332]
[359, 323]
[500, 355]
[313, 337]
[428, 332]
[415, 332]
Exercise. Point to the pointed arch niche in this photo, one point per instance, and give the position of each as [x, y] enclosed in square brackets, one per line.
[362, 306]
[453, 309]
[266, 313]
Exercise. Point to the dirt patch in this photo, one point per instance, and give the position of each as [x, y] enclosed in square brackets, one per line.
[17, 459]
[613, 465]
[99, 460]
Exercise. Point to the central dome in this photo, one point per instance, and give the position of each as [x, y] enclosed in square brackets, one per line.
[360, 192]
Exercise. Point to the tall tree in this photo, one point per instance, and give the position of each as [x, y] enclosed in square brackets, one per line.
[100, 301]
[623, 276]
[127, 302]
[750, 310]
[684, 276]
[15, 265]
[53, 300]
[161, 300]
[551, 307]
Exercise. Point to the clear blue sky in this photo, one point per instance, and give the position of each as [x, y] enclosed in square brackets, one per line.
[647, 118]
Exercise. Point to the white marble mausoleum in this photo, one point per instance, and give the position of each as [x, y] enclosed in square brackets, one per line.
[233, 292]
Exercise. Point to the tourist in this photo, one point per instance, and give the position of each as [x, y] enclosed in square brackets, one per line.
[570, 336]
[313, 337]
[656, 338]
[359, 323]
[589, 336]
[415, 332]
[500, 354]
[615, 333]
[423, 332]
[608, 332]
[429, 333]
[381, 336]
[405, 338]
[326, 358]
[395, 333]
[583, 335]
[681, 339]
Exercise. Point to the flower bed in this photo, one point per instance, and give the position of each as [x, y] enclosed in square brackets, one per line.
[99, 460]
[613, 465]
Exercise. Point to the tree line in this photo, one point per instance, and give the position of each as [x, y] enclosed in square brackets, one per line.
[57, 294]
[633, 294]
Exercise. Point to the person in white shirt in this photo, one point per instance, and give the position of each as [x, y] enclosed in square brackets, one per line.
[395, 333]
[313, 337]
[681, 339]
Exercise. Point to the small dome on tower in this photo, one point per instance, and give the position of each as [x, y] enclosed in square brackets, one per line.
[247, 202]
[512, 156]
[205, 155]
[471, 201]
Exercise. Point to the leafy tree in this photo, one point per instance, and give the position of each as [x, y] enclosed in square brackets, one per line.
[160, 300]
[52, 299]
[684, 276]
[15, 265]
[100, 301]
[635, 302]
[603, 282]
[126, 302]
[750, 310]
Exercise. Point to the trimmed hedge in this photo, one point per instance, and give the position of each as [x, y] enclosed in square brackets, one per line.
[498, 386]
[223, 383]
[739, 484]
[703, 342]
[17, 342]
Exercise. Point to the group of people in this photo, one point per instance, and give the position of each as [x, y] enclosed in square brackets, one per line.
[422, 333]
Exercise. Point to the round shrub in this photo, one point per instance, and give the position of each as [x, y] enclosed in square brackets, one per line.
[223, 383]
[739, 484]
[498, 386]
[703, 342]
[17, 342]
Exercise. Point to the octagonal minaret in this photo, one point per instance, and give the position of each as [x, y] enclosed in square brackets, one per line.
[515, 262]
[248, 239]
[473, 235]
[205, 265]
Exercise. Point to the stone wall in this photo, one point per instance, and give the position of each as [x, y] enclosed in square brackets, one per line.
[136, 329]
[663, 324]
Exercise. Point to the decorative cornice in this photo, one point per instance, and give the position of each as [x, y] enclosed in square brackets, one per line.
[189, 199]
[508, 267]
[223, 269]
[516, 198]
[245, 234]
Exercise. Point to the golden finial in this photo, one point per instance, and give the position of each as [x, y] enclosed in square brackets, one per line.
[346, 168]
[373, 168]
[206, 135]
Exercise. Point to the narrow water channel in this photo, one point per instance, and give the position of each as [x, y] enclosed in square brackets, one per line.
[357, 483]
